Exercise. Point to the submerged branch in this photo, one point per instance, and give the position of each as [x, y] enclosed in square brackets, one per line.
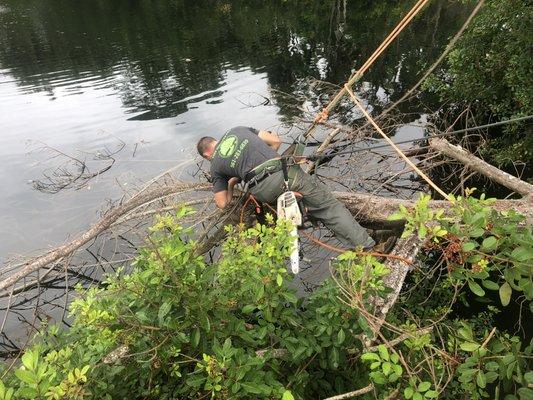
[113, 215]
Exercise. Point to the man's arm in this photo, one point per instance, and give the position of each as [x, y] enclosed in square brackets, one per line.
[223, 198]
[271, 139]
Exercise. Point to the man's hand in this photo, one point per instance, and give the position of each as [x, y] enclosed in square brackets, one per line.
[233, 181]
[223, 198]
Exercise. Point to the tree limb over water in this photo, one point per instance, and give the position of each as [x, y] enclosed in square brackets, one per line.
[471, 161]
[371, 209]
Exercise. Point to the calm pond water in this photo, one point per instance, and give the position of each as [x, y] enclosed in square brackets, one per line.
[85, 76]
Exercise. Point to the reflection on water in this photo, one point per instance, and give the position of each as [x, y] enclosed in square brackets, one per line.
[157, 75]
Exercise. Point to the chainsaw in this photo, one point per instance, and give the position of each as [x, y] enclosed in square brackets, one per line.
[288, 209]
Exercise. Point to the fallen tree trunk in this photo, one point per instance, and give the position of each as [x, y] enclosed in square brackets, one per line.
[407, 248]
[471, 161]
[368, 209]
[375, 210]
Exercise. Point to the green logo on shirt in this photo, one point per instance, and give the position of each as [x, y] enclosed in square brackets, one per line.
[227, 147]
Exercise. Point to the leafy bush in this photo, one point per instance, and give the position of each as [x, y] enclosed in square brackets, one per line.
[489, 70]
[178, 327]
[181, 327]
[486, 252]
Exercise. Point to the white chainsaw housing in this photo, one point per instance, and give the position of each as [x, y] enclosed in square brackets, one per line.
[288, 209]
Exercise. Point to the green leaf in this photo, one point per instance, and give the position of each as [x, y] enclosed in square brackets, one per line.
[341, 336]
[475, 233]
[417, 396]
[26, 376]
[28, 392]
[469, 246]
[528, 376]
[252, 387]
[492, 366]
[525, 393]
[386, 367]
[522, 253]
[397, 369]
[370, 357]
[195, 337]
[396, 216]
[30, 359]
[375, 364]
[334, 357]
[511, 368]
[279, 280]
[469, 346]
[259, 292]
[490, 285]
[465, 332]
[206, 325]
[163, 311]
[505, 294]
[226, 347]
[287, 395]
[474, 287]
[195, 381]
[378, 377]
[424, 386]
[491, 376]
[490, 243]
[431, 394]
[247, 309]
[481, 380]
[408, 392]
[290, 297]
[383, 352]
[393, 377]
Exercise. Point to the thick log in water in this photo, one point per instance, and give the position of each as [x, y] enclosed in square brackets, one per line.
[368, 209]
[375, 210]
[476, 164]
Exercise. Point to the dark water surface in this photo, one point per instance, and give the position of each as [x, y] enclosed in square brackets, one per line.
[85, 76]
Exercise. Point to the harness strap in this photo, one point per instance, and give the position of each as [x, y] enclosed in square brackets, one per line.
[285, 170]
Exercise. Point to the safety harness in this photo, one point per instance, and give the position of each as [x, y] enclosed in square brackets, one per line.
[289, 203]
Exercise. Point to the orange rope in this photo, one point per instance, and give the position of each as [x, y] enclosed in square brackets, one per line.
[323, 115]
[359, 253]
[257, 206]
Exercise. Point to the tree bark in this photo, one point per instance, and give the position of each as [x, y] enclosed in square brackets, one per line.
[469, 160]
[368, 209]
[375, 210]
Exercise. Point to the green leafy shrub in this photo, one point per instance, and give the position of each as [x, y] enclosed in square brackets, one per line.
[181, 327]
[484, 251]
[178, 327]
[489, 70]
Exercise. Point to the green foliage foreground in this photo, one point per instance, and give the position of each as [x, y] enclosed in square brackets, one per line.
[181, 327]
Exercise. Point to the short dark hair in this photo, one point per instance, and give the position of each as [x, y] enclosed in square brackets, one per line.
[204, 144]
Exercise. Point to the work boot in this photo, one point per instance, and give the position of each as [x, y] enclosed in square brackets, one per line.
[384, 247]
[380, 235]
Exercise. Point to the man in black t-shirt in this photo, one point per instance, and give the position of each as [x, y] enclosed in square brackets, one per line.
[246, 154]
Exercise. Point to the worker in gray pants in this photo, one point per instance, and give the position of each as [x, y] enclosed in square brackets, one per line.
[320, 204]
[247, 155]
